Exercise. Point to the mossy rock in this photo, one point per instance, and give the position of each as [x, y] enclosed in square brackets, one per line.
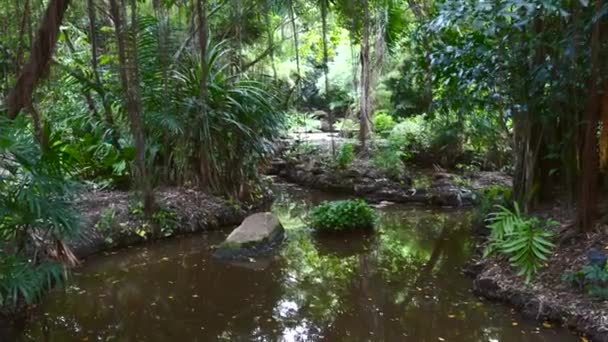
[258, 234]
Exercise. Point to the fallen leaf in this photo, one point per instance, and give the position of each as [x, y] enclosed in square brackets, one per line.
[441, 338]
[547, 325]
[514, 324]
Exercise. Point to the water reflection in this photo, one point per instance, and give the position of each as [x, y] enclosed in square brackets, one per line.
[402, 283]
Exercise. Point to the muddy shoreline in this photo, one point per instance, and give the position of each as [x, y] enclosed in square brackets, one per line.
[547, 298]
[537, 301]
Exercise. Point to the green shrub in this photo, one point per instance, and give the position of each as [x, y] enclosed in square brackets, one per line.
[164, 219]
[167, 220]
[107, 220]
[522, 239]
[342, 216]
[389, 159]
[492, 196]
[345, 155]
[383, 122]
[410, 135]
[592, 279]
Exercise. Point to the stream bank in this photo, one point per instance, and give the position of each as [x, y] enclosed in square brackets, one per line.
[428, 187]
[112, 219]
[548, 297]
[386, 286]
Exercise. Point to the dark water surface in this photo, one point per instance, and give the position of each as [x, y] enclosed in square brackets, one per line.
[402, 283]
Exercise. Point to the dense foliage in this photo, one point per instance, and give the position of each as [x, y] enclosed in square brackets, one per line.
[35, 207]
[135, 95]
[342, 216]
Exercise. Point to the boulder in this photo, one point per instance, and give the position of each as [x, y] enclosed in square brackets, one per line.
[258, 234]
[445, 191]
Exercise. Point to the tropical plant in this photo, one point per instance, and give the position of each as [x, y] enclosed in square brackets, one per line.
[302, 123]
[494, 195]
[410, 135]
[24, 279]
[347, 125]
[221, 141]
[345, 156]
[523, 240]
[342, 216]
[383, 122]
[389, 158]
[592, 279]
[35, 208]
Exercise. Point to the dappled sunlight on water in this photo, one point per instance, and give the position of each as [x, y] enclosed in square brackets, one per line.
[401, 283]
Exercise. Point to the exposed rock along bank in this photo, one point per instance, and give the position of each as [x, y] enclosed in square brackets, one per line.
[258, 234]
[363, 180]
[191, 211]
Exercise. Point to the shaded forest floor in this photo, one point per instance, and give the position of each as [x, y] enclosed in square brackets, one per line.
[113, 219]
[548, 297]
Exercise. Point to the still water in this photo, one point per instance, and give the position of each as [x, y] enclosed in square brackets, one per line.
[402, 283]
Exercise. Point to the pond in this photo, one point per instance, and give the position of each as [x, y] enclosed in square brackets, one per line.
[403, 283]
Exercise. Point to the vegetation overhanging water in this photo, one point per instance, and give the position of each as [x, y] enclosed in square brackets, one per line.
[401, 283]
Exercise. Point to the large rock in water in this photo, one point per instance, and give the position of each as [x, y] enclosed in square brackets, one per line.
[258, 234]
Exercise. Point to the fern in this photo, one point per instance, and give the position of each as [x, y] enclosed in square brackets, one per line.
[523, 240]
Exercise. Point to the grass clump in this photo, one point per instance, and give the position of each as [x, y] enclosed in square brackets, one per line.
[342, 216]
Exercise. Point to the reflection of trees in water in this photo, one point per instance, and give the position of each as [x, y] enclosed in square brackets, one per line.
[347, 288]
[315, 283]
[410, 251]
[291, 214]
[405, 278]
[183, 298]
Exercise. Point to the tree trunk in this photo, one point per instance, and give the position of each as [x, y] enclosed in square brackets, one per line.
[296, 45]
[25, 16]
[587, 197]
[270, 33]
[40, 58]
[130, 81]
[603, 143]
[107, 108]
[205, 170]
[365, 103]
[324, 5]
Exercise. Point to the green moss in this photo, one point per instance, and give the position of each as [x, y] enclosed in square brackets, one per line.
[229, 245]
